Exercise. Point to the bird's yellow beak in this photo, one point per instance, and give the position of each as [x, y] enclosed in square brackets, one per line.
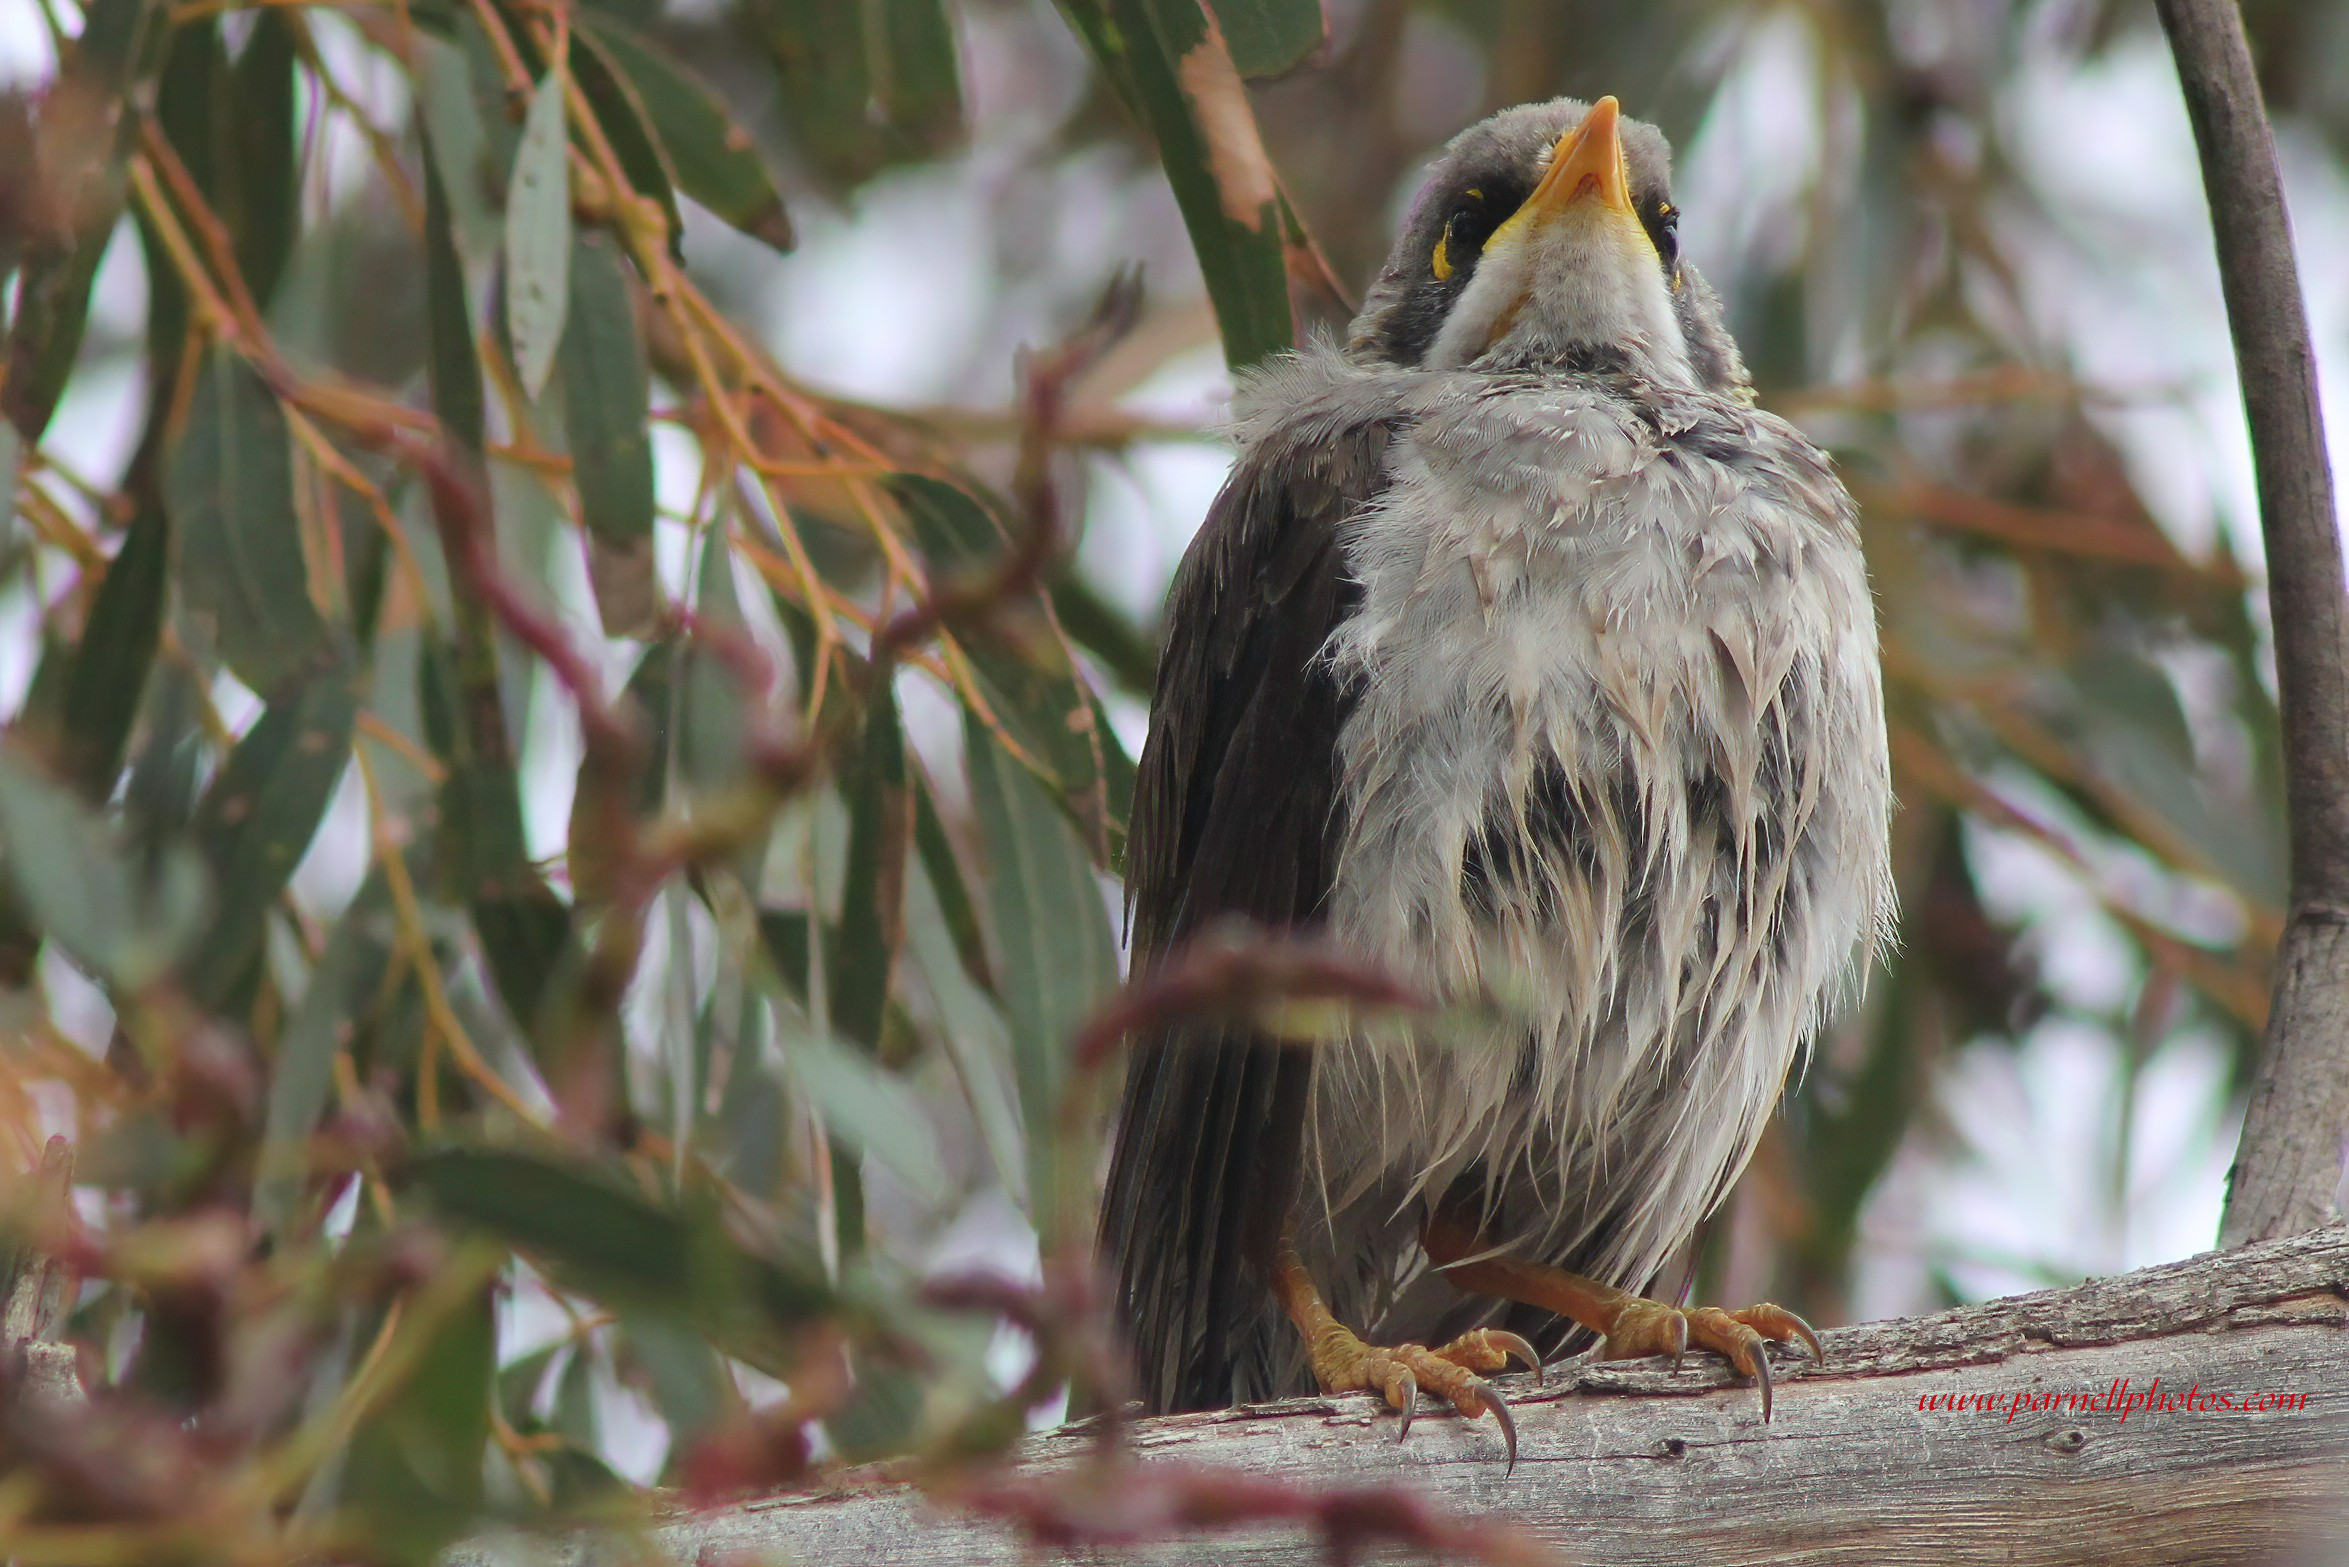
[1586, 165]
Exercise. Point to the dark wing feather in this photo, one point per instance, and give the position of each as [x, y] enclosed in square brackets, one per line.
[1235, 813]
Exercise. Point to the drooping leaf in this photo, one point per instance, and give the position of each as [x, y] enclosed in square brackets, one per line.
[1025, 672]
[243, 578]
[461, 151]
[260, 200]
[688, 1382]
[709, 156]
[872, 911]
[452, 368]
[1267, 37]
[256, 821]
[1056, 958]
[413, 1477]
[52, 304]
[101, 697]
[538, 235]
[920, 77]
[970, 1030]
[941, 863]
[1178, 77]
[1125, 651]
[825, 80]
[71, 877]
[597, 1235]
[874, 1110]
[607, 400]
[301, 1069]
[620, 112]
[712, 705]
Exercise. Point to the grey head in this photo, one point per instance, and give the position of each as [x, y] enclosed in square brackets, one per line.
[1546, 240]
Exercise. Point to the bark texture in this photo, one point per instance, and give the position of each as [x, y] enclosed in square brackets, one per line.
[1634, 1463]
[2288, 1169]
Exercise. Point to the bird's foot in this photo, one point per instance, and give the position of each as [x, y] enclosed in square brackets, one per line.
[1452, 1373]
[1650, 1327]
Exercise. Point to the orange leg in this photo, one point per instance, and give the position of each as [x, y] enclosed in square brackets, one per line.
[1343, 1363]
[1631, 1324]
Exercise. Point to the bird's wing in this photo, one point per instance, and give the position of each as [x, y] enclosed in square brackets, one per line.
[1235, 813]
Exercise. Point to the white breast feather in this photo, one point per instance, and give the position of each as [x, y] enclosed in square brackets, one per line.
[1547, 588]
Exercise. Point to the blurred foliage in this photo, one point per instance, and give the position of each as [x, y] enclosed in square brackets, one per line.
[409, 1163]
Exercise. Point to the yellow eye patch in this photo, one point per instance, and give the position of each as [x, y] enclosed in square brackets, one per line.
[1442, 259]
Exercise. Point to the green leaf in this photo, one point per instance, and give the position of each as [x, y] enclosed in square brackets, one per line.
[872, 909]
[620, 111]
[538, 235]
[242, 576]
[260, 198]
[413, 1478]
[1030, 681]
[597, 1235]
[349, 972]
[957, 911]
[607, 402]
[688, 1383]
[526, 939]
[825, 80]
[920, 80]
[1126, 651]
[110, 667]
[53, 283]
[970, 1028]
[1180, 81]
[45, 335]
[452, 368]
[461, 151]
[256, 821]
[1052, 939]
[709, 156]
[1267, 37]
[873, 1110]
[71, 877]
[712, 709]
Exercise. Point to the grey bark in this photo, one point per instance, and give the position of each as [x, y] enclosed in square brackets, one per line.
[1635, 1463]
[2288, 1169]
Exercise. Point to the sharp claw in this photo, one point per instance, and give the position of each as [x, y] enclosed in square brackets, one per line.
[1679, 1338]
[1762, 1375]
[1410, 1405]
[1818, 1354]
[1512, 1344]
[1500, 1408]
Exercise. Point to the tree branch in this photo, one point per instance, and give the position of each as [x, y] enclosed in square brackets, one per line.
[2288, 1168]
[1633, 1462]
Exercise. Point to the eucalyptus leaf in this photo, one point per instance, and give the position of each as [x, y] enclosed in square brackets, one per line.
[109, 675]
[1055, 956]
[71, 877]
[243, 576]
[301, 1070]
[607, 401]
[256, 821]
[1267, 37]
[538, 235]
[874, 1110]
[708, 154]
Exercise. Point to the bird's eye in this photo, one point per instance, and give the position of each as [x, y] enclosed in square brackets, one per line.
[1664, 233]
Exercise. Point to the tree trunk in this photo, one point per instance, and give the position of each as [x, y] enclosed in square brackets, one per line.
[2288, 1169]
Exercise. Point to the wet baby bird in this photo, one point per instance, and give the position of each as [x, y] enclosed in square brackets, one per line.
[1523, 656]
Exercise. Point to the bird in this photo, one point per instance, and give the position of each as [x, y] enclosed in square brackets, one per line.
[1523, 656]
